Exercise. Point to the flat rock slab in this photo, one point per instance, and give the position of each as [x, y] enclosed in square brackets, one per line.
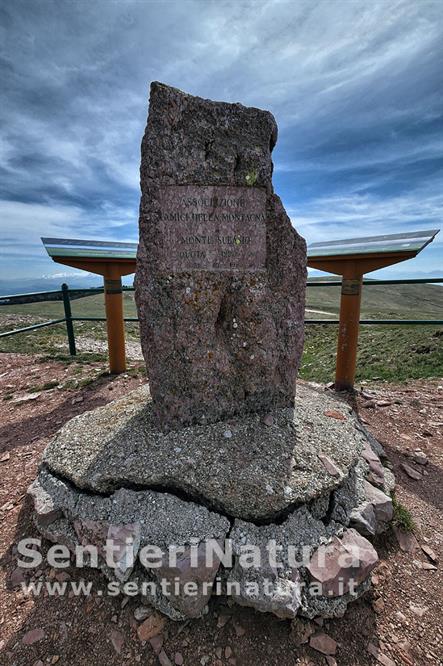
[242, 467]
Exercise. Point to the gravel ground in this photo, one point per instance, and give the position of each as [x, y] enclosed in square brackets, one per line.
[85, 344]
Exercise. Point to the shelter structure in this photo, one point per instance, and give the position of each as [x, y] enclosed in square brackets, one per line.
[350, 258]
[112, 260]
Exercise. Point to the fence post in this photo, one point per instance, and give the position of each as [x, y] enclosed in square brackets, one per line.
[68, 318]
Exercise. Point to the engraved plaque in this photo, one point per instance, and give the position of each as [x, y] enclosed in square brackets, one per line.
[212, 228]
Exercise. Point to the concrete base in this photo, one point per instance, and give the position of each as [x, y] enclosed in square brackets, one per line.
[311, 482]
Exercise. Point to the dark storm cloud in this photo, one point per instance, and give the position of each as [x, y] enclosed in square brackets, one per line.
[356, 88]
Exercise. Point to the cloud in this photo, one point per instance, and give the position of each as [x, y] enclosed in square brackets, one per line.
[21, 249]
[356, 87]
[83, 275]
[354, 215]
[414, 210]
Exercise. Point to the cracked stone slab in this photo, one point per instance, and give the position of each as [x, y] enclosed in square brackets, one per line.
[241, 467]
[163, 518]
[274, 586]
[132, 520]
[283, 587]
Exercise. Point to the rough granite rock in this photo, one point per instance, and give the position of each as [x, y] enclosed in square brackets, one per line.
[218, 339]
[373, 514]
[342, 563]
[315, 605]
[255, 473]
[125, 537]
[301, 544]
[197, 573]
[349, 494]
[376, 470]
[382, 505]
[61, 531]
[363, 519]
[152, 595]
[47, 509]
[373, 441]
[223, 452]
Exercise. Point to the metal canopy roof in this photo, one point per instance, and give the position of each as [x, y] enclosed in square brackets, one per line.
[413, 242]
[87, 249]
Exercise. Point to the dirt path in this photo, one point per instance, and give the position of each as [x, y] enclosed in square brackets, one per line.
[402, 615]
[88, 344]
[322, 312]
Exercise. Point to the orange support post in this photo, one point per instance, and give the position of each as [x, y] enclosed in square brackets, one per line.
[114, 321]
[352, 267]
[112, 271]
[348, 332]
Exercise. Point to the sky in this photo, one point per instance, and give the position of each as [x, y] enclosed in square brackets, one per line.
[356, 88]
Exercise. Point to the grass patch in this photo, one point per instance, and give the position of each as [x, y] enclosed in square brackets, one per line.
[137, 371]
[402, 516]
[51, 343]
[416, 301]
[390, 353]
[49, 339]
[84, 358]
[400, 301]
[89, 306]
[47, 386]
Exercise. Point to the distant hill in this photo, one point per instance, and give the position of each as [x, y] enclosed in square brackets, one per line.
[421, 301]
[26, 285]
[411, 301]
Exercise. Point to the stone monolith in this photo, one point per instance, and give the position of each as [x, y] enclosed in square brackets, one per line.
[221, 271]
